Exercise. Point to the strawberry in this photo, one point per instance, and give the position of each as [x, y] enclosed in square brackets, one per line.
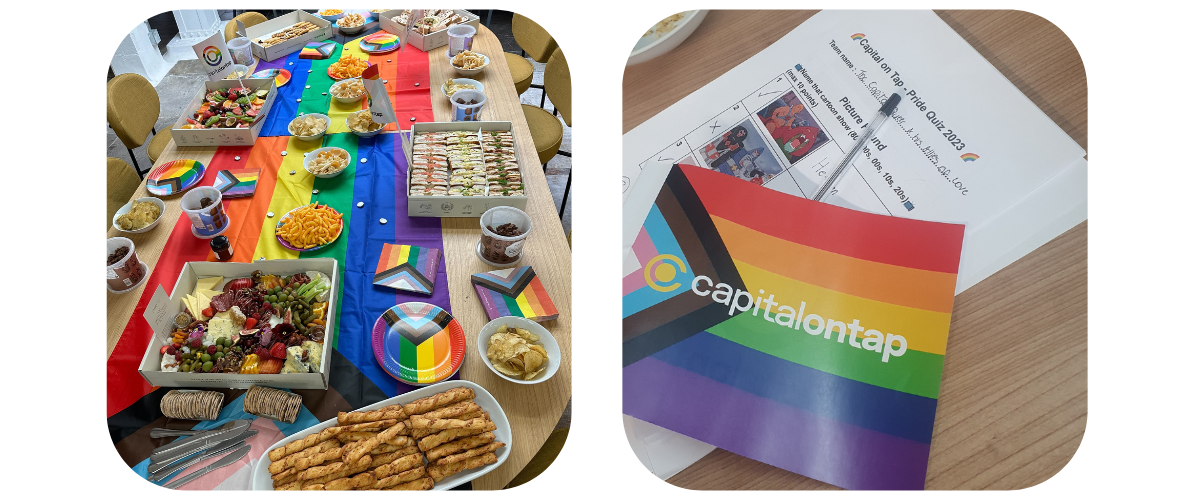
[270, 366]
[208, 311]
[278, 350]
[262, 353]
[250, 322]
[212, 349]
[195, 343]
[163, 350]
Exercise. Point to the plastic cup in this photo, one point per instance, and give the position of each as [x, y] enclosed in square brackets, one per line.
[126, 273]
[468, 112]
[239, 49]
[461, 36]
[208, 219]
[497, 250]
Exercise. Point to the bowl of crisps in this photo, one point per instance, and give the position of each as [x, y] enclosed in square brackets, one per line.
[519, 350]
[468, 63]
[362, 125]
[309, 127]
[347, 67]
[140, 215]
[331, 15]
[351, 23]
[456, 84]
[327, 162]
[348, 91]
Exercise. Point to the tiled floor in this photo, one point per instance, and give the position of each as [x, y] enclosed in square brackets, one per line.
[178, 87]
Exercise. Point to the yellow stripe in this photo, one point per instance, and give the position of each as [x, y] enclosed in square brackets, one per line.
[338, 111]
[924, 331]
[526, 309]
[402, 255]
[425, 362]
[291, 191]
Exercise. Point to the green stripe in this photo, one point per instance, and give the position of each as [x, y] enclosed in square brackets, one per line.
[338, 192]
[408, 359]
[513, 308]
[319, 81]
[915, 372]
[414, 256]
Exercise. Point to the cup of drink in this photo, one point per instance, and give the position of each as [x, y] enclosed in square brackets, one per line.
[125, 271]
[203, 207]
[460, 38]
[503, 232]
[468, 105]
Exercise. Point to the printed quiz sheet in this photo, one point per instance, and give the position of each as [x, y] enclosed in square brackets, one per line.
[964, 145]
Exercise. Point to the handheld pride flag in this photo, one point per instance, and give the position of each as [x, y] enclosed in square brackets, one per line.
[796, 333]
[215, 56]
[377, 96]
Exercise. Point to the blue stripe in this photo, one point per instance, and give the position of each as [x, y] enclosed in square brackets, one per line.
[285, 107]
[871, 407]
[664, 241]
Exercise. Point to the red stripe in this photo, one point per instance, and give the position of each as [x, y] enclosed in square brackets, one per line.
[535, 286]
[932, 246]
[248, 215]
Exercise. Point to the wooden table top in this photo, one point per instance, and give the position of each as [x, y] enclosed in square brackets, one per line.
[1013, 402]
[532, 410]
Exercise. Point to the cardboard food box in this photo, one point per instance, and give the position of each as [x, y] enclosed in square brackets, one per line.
[424, 43]
[161, 311]
[223, 136]
[263, 30]
[459, 206]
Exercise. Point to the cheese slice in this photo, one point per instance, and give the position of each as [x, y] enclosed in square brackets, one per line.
[208, 283]
[190, 302]
[209, 294]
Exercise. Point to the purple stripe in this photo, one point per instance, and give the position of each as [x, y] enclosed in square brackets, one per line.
[821, 448]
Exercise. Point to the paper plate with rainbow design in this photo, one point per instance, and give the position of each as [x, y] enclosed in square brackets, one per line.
[418, 343]
[174, 177]
[379, 43]
[281, 76]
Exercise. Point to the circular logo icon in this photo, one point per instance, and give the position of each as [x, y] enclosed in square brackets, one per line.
[212, 55]
[661, 271]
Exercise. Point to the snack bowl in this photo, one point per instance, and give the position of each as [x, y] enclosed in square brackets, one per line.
[346, 100]
[313, 154]
[351, 30]
[471, 72]
[553, 358]
[314, 137]
[463, 81]
[364, 134]
[332, 18]
[261, 478]
[162, 209]
[650, 47]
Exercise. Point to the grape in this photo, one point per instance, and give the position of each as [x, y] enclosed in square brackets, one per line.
[185, 367]
[208, 365]
[219, 355]
[206, 357]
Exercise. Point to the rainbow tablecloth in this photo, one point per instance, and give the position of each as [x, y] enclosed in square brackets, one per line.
[356, 378]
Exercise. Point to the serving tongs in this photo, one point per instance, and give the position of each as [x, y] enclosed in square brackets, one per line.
[160, 471]
[188, 445]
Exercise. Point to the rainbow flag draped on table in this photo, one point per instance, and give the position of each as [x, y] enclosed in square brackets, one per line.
[800, 334]
[375, 177]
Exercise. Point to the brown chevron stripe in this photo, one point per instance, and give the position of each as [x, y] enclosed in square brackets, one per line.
[527, 276]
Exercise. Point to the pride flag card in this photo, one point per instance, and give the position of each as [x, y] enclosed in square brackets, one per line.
[406, 267]
[514, 292]
[237, 183]
[796, 333]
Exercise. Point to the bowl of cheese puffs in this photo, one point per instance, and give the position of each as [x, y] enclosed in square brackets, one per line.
[139, 216]
[519, 350]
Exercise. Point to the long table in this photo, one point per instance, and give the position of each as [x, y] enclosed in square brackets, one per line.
[1013, 402]
[533, 410]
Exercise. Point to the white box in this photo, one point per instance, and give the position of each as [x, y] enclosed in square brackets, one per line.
[223, 136]
[161, 311]
[424, 43]
[263, 30]
[459, 206]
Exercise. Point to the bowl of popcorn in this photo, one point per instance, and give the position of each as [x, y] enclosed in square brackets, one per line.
[362, 125]
[351, 23]
[348, 91]
[327, 162]
[309, 127]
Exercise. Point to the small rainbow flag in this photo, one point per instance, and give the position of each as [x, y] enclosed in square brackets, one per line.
[514, 292]
[237, 183]
[317, 50]
[857, 36]
[969, 157]
[406, 267]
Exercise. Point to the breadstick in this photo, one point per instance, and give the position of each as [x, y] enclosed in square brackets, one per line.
[474, 452]
[285, 479]
[399, 465]
[402, 477]
[341, 429]
[384, 449]
[455, 410]
[358, 417]
[420, 433]
[458, 445]
[403, 441]
[425, 405]
[420, 484]
[319, 458]
[346, 471]
[377, 460]
[356, 436]
[349, 483]
[317, 487]
[440, 472]
[297, 445]
[290, 460]
[321, 471]
[478, 426]
[439, 424]
[294, 485]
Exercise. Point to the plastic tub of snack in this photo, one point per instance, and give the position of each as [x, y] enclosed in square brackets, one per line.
[504, 230]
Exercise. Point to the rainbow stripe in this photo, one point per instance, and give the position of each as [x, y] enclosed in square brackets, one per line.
[317, 50]
[816, 401]
[857, 36]
[380, 42]
[514, 292]
[407, 267]
[419, 343]
[969, 157]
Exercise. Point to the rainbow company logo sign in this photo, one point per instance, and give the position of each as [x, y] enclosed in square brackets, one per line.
[661, 271]
[212, 55]
[967, 157]
[857, 36]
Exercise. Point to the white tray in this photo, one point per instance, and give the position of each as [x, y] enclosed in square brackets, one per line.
[262, 478]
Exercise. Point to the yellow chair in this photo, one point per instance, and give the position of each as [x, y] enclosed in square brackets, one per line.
[122, 183]
[532, 38]
[522, 71]
[542, 459]
[132, 111]
[545, 128]
[247, 18]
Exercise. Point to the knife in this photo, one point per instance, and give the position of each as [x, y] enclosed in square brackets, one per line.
[159, 432]
[232, 457]
[189, 445]
[162, 470]
[193, 437]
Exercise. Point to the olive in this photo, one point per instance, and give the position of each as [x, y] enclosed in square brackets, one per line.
[219, 355]
[205, 357]
[186, 367]
[208, 365]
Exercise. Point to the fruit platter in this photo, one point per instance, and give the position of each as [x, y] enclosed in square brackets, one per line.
[264, 324]
[228, 108]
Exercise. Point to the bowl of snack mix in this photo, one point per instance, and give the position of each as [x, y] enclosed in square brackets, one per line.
[139, 216]
[348, 91]
[309, 127]
[327, 162]
[362, 125]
